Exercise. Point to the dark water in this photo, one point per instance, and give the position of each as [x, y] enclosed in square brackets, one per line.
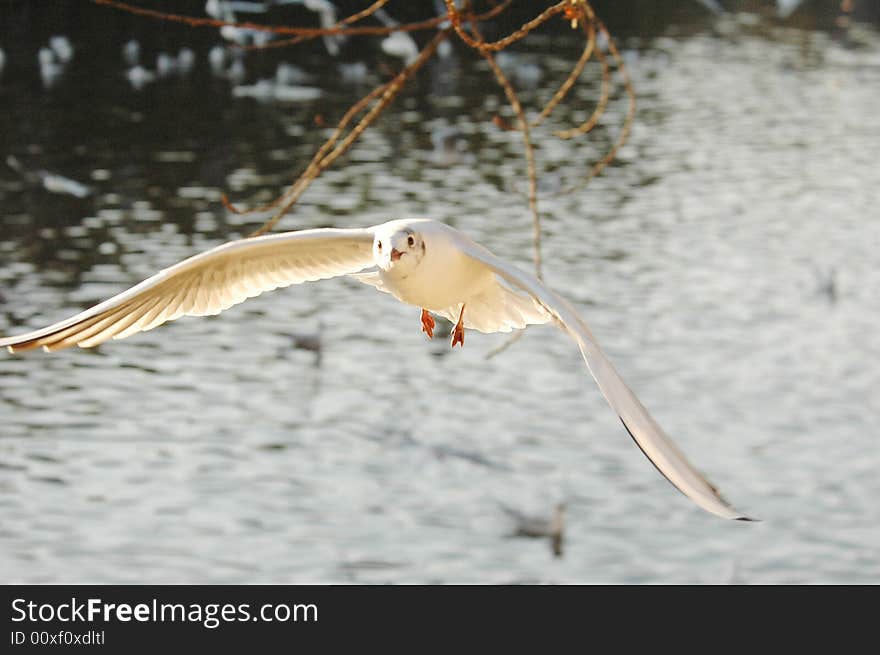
[727, 262]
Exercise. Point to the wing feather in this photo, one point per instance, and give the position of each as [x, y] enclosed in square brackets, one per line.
[645, 431]
[499, 309]
[209, 283]
[119, 323]
[146, 318]
[80, 331]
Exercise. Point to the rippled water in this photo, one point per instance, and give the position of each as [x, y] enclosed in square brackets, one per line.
[727, 262]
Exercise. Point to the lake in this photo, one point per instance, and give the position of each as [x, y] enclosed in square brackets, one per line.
[727, 261]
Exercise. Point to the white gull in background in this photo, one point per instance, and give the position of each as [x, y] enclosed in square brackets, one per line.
[538, 527]
[420, 262]
[131, 52]
[225, 11]
[180, 64]
[50, 67]
[785, 8]
[186, 60]
[445, 47]
[219, 56]
[52, 182]
[165, 64]
[139, 77]
[62, 48]
[268, 90]
[397, 44]
[712, 5]
[53, 59]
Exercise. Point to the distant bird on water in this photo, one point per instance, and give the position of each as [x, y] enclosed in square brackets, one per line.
[539, 527]
[420, 262]
[52, 182]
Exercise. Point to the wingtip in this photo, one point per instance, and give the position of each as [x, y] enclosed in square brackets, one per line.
[749, 519]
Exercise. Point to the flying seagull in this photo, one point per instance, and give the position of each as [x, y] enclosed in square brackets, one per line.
[420, 262]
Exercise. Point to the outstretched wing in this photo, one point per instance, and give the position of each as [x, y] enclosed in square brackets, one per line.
[644, 430]
[208, 283]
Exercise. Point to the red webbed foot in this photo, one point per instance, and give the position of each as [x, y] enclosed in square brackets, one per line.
[427, 324]
[458, 331]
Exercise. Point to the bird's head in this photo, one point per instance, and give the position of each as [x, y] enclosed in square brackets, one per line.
[400, 249]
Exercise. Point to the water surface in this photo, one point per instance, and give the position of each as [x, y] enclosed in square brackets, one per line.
[727, 262]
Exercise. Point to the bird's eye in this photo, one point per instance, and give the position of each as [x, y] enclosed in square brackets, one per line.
[379, 245]
[411, 241]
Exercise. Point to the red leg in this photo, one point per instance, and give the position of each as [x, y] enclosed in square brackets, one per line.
[427, 324]
[458, 331]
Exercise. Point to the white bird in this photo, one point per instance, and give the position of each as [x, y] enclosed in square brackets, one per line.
[712, 5]
[445, 47]
[139, 77]
[217, 59]
[52, 182]
[785, 8]
[326, 11]
[287, 74]
[402, 46]
[397, 44]
[353, 73]
[223, 8]
[225, 11]
[62, 48]
[536, 527]
[236, 71]
[50, 68]
[131, 52]
[421, 262]
[186, 59]
[165, 64]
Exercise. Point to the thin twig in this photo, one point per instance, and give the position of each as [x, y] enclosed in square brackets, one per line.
[523, 126]
[455, 18]
[573, 76]
[600, 165]
[604, 95]
[348, 20]
[352, 111]
[508, 342]
[320, 163]
[303, 32]
[376, 101]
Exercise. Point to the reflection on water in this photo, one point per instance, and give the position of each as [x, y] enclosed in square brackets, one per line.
[214, 450]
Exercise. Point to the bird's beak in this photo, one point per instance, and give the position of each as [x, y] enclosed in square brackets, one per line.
[395, 254]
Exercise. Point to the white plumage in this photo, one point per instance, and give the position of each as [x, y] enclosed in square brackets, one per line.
[208, 283]
[420, 262]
